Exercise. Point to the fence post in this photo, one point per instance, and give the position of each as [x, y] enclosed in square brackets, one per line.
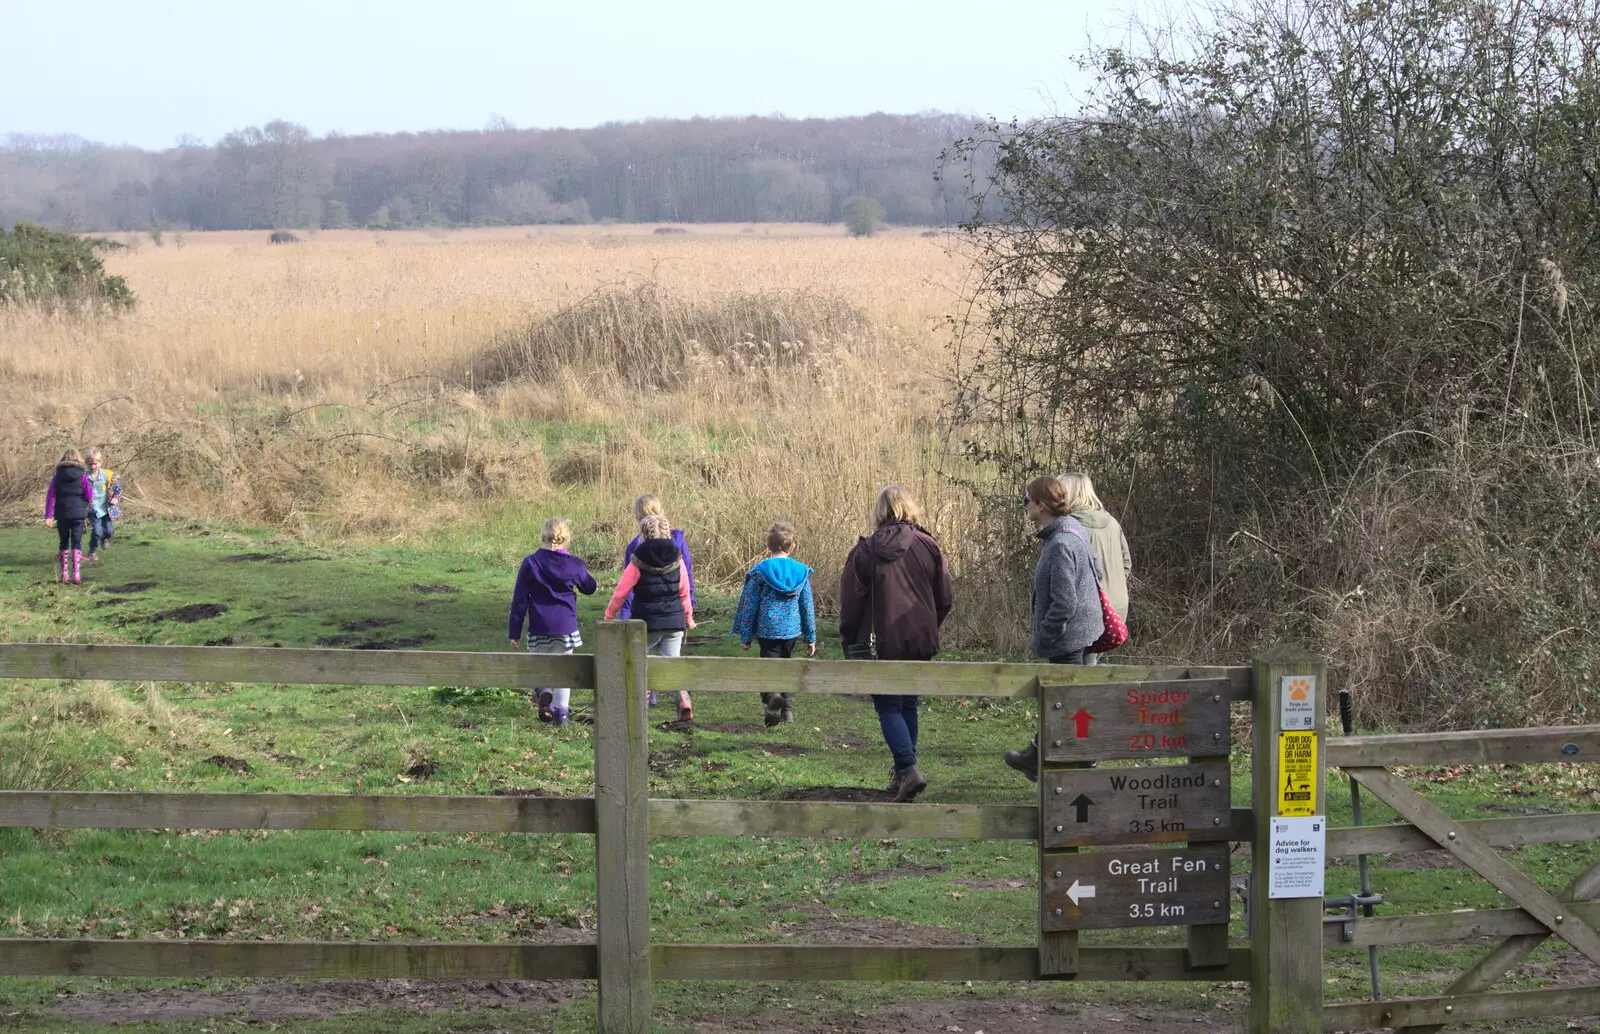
[1286, 933]
[622, 842]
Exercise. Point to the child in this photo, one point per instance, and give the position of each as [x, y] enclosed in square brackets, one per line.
[66, 504]
[547, 584]
[104, 506]
[649, 505]
[657, 579]
[776, 608]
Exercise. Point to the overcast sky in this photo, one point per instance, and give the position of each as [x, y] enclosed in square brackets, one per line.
[146, 71]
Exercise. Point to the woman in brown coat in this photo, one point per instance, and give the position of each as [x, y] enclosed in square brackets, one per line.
[895, 593]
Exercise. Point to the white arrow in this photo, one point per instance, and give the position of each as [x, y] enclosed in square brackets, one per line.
[1078, 891]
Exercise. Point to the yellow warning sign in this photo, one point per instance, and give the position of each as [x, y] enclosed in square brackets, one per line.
[1297, 773]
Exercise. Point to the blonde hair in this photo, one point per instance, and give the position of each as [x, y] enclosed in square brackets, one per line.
[1079, 491]
[895, 506]
[90, 455]
[557, 531]
[70, 456]
[647, 505]
[655, 526]
[780, 537]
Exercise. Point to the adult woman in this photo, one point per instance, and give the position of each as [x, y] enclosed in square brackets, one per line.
[895, 593]
[1106, 541]
[1066, 594]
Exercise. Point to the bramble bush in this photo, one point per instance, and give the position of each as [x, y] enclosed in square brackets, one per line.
[1310, 295]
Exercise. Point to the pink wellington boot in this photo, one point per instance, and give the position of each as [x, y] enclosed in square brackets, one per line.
[77, 567]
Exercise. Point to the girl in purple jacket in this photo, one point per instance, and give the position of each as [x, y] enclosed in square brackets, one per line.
[66, 504]
[546, 595]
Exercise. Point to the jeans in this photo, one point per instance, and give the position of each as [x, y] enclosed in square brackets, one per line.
[69, 534]
[667, 644]
[100, 529]
[897, 718]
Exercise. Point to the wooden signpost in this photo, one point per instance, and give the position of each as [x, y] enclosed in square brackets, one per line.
[1188, 805]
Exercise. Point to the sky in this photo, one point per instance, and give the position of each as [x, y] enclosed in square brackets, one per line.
[145, 72]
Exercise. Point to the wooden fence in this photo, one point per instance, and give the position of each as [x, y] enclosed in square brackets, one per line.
[1287, 937]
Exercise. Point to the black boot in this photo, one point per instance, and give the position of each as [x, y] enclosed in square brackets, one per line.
[1025, 761]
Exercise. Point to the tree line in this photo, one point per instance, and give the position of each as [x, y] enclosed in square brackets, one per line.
[280, 176]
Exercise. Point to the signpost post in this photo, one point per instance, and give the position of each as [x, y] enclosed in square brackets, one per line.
[1106, 809]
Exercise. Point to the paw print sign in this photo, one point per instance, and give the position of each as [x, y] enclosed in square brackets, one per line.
[1299, 702]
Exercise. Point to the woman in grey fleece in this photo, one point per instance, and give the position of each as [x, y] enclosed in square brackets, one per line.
[1066, 592]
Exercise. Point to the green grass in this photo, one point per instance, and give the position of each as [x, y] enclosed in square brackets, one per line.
[392, 886]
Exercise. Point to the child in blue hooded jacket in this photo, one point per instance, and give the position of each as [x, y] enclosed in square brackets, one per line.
[776, 609]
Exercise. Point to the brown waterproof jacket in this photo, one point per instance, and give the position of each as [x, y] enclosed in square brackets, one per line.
[897, 586]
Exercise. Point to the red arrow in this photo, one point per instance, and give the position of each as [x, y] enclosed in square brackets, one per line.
[1082, 720]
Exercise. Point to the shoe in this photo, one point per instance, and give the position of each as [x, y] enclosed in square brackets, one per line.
[772, 709]
[66, 565]
[685, 713]
[1025, 761]
[650, 698]
[77, 567]
[894, 782]
[911, 784]
[560, 715]
[92, 558]
[542, 701]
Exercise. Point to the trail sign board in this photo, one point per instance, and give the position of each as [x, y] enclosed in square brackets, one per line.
[1136, 886]
[1151, 804]
[1181, 718]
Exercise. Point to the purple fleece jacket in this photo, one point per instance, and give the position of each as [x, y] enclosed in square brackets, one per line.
[546, 593]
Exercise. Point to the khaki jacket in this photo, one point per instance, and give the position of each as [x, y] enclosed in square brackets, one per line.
[1110, 547]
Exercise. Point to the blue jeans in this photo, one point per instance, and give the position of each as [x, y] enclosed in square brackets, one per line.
[897, 717]
[100, 529]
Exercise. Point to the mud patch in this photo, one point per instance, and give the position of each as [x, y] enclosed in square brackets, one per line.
[1414, 860]
[113, 601]
[843, 929]
[665, 761]
[531, 791]
[724, 727]
[715, 766]
[359, 642]
[436, 590]
[886, 875]
[129, 587]
[422, 771]
[194, 612]
[239, 765]
[368, 624]
[266, 558]
[1013, 1015]
[780, 750]
[278, 1000]
[988, 884]
[227, 640]
[1518, 809]
[287, 759]
[848, 794]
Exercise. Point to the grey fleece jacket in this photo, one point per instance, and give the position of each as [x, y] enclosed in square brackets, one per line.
[1066, 596]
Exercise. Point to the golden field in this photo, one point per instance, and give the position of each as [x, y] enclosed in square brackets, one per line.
[463, 385]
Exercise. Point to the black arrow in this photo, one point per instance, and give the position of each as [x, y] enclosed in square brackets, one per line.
[1082, 803]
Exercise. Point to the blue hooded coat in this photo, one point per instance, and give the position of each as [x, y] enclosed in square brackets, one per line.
[776, 602]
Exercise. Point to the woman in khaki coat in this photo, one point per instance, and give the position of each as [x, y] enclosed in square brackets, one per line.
[1106, 541]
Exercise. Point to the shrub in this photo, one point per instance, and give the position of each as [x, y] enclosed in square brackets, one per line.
[1312, 300]
[49, 267]
[862, 216]
[282, 237]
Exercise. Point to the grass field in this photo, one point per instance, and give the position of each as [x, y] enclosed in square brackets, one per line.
[278, 589]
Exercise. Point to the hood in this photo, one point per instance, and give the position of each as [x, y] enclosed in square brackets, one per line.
[786, 575]
[1096, 519]
[890, 542]
[657, 555]
[560, 564]
[71, 468]
[1062, 524]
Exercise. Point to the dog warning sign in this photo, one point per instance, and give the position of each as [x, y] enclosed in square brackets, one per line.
[1297, 773]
